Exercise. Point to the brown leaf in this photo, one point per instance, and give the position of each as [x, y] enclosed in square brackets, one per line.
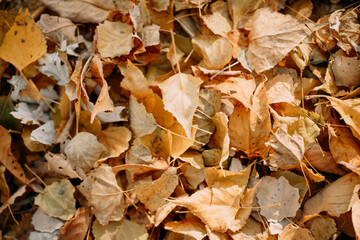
[116, 141]
[346, 71]
[77, 226]
[8, 159]
[293, 232]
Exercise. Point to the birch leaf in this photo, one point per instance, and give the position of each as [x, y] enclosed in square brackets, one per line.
[116, 141]
[57, 200]
[53, 66]
[180, 97]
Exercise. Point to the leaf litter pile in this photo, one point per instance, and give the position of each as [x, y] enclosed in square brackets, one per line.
[184, 119]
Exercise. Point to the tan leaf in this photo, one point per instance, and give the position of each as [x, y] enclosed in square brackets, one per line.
[119, 230]
[216, 207]
[280, 89]
[180, 97]
[219, 20]
[193, 175]
[328, 81]
[321, 227]
[58, 164]
[179, 142]
[195, 229]
[220, 138]
[273, 35]
[296, 181]
[114, 39]
[154, 194]
[57, 199]
[103, 193]
[238, 9]
[138, 154]
[51, 25]
[272, 191]
[8, 159]
[355, 211]
[141, 122]
[77, 226]
[77, 11]
[134, 80]
[287, 151]
[215, 51]
[334, 198]
[24, 43]
[116, 141]
[250, 129]
[344, 148]
[300, 9]
[346, 71]
[150, 35]
[31, 145]
[83, 151]
[159, 142]
[194, 158]
[293, 232]
[103, 102]
[174, 54]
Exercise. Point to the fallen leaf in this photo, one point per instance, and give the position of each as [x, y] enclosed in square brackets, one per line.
[265, 50]
[193, 175]
[31, 145]
[272, 191]
[215, 51]
[77, 11]
[141, 122]
[24, 43]
[19, 192]
[219, 20]
[154, 194]
[295, 233]
[83, 151]
[44, 223]
[300, 9]
[57, 199]
[334, 198]
[115, 39]
[138, 154]
[250, 129]
[43, 236]
[355, 211]
[150, 35]
[195, 229]
[179, 142]
[53, 66]
[51, 25]
[4, 188]
[8, 159]
[159, 142]
[295, 180]
[287, 151]
[116, 141]
[180, 97]
[77, 226]
[103, 193]
[321, 227]
[44, 134]
[58, 164]
[119, 230]
[238, 9]
[345, 71]
[280, 89]
[194, 158]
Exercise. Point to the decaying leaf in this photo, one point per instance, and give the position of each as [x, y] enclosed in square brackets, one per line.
[155, 193]
[57, 200]
[103, 193]
[24, 43]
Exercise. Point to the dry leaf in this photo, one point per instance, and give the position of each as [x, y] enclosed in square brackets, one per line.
[119, 230]
[24, 43]
[272, 191]
[280, 89]
[116, 141]
[150, 35]
[220, 138]
[134, 80]
[53, 66]
[272, 36]
[192, 228]
[194, 158]
[219, 20]
[293, 232]
[215, 51]
[193, 175]
[57, 199]
[155, 193]
[180, 97]
[321, 227]
[249, 129]
[334, 198]
[159, 142]
[77, 11]
[301, 9]
[346, 72]
[141, 122]
[4, 188]
[179, 142]
[19, 192]
[44, 134]
[77, 226]
[8, 159]
[83, 151]
[51, 25]
[114, 39]
[103, 193]
[58, 164]
[238, 9]
[287, 151]
[44, 223]
[355, 211]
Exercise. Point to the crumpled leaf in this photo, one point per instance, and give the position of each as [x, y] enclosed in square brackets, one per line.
[116, 141]
[141, 122]
[287, 151]
[103, 193]
[219, 20]
[57, 200]
[188, 227]
[83, 151]
[7, 158]
[58, 164]
[334, 198]
[154, 194]
[249, 129]
[180, 96]
[78, 11]
[346, 71]
[215, 51]
[24, 43]
[44, 134]
[44, 223]
[273, 191]
[50, 25]
[114, 39]
[272, 36]
[77, 226]
[119, 230]
[52, 65]
[280, 89]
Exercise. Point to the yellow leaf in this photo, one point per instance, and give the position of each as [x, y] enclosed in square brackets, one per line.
[24, 43]
[179, 142]
[180, 97]
[124, 229]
